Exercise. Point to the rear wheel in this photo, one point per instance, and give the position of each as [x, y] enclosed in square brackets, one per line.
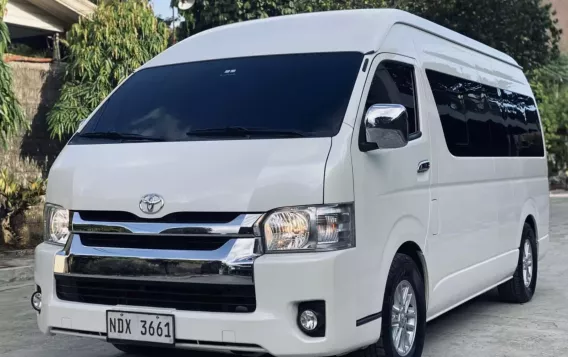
[521, 288]
[404, 312]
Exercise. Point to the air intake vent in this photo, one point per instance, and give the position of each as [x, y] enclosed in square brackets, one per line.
[180, 296]
[166, 242]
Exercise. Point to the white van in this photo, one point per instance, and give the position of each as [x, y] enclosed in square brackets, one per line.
[301, 185]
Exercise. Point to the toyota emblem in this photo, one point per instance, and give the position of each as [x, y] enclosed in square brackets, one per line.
[151, 203]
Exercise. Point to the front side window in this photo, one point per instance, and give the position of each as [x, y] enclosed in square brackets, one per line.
[300, 95]
[393, 83]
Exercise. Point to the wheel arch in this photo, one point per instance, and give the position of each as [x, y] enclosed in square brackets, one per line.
[407, 235]
[532, 222]
[529, 214]
[414, 251]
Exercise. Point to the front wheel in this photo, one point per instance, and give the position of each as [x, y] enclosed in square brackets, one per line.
[404, 312]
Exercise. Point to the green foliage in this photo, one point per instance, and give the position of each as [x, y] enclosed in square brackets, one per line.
[12, 118]
[550, 86]
[524, 29]
[103, 50]
[15, 198]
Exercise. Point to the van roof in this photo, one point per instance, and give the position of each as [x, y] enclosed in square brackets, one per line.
[332, 31]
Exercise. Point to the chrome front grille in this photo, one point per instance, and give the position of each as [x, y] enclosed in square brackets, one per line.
[208, 260]
[241, 227]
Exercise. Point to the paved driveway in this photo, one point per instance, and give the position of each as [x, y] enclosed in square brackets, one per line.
[483, 327]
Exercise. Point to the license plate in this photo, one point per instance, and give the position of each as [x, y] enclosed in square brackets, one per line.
[140, 327]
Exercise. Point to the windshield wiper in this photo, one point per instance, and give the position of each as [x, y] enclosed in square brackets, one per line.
[237, 131]
[114, 135]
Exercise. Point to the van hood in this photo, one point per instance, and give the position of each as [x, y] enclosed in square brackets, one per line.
[206, 176]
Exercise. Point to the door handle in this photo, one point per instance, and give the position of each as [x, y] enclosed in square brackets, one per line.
[423, 166]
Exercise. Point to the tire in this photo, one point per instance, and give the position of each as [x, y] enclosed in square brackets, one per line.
[516, 290]
[142, 350]
[404, 271]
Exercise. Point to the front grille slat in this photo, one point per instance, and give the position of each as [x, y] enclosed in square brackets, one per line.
[67, 286]
[152, 241]
[181, 296]
[166, 298]
[177, 217]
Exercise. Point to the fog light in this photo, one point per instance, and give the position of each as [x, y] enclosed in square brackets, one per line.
[311, 318]
[36, 301]
[308, 320]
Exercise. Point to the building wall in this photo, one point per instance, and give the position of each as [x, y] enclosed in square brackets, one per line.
[31, 153]
[561, 7]
[22, 13]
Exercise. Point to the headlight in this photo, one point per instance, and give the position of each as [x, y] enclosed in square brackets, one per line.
[56, 224]
[309, 228]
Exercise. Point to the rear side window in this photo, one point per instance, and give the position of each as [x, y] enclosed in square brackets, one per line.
[394, 83]
[449, 96]
[480, 120]
[306, 94]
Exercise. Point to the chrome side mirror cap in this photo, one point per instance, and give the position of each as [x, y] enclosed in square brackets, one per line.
[386, 127]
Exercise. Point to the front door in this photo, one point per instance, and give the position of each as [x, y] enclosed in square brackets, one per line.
[392, 196]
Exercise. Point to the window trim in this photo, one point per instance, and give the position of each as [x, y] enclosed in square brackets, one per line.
[418, 133]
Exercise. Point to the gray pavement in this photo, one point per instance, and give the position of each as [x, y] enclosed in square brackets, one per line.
[16, 266]
[483, 327]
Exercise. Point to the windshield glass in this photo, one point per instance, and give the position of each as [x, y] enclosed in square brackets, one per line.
[301, 95]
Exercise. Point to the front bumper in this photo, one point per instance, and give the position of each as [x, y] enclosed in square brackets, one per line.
[281, 281]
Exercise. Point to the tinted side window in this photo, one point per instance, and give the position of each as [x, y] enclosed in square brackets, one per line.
[477, 118]
[449, 96]
[480, 120]
[516, 121]
[533, 136]
[393, 83]
[499, 133]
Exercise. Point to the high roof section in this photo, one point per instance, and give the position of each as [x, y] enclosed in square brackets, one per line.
[351, 30]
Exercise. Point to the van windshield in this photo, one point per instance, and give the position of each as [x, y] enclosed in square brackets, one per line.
[279, 96]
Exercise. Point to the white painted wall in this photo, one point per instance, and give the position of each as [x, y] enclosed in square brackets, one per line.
[22, 13]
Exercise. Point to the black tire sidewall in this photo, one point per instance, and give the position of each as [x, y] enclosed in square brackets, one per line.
[404, 268]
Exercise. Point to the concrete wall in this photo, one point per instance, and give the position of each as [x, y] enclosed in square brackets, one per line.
[36, 86]
[31, 153]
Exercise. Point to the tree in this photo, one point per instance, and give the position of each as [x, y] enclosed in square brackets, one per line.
[524, 29]
[550, 86]
[102, 51]
[12, 118]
